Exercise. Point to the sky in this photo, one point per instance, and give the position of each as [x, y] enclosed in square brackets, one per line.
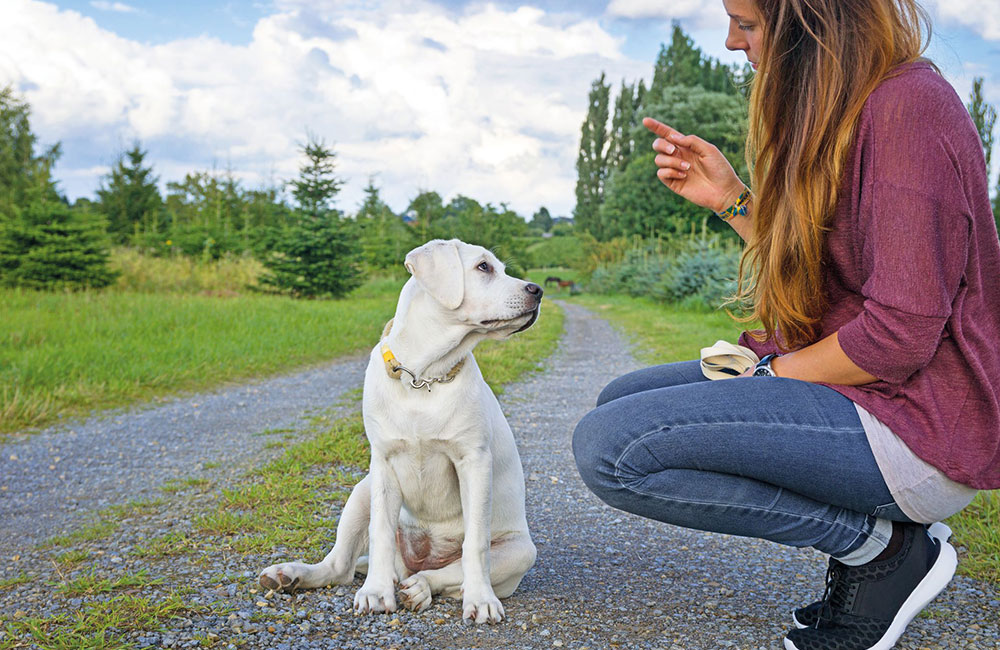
[484, 99]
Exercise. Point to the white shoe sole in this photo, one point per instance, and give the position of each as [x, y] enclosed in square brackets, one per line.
[938, 530]
[933, 583]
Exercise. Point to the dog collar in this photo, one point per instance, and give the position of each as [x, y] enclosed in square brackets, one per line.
[395, 369]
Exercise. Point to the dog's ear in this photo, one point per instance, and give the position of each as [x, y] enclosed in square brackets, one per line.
[437, 266]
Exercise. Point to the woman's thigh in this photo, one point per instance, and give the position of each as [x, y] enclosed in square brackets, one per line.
[661, 376]
[785, 433]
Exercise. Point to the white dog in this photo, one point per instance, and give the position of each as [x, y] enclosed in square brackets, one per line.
[442, 508]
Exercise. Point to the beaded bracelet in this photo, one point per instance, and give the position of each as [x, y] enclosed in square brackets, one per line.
[737, 209]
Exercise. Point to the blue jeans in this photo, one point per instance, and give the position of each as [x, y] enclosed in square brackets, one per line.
[772, 458]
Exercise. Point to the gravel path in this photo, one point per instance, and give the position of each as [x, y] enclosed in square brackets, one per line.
[603, 579]
[52, 480]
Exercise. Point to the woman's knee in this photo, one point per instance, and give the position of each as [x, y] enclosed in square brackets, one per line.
[593, 453]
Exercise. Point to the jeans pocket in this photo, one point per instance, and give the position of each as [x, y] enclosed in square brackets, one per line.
[891, 512]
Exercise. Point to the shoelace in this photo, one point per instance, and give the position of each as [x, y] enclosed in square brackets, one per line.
[838, 595]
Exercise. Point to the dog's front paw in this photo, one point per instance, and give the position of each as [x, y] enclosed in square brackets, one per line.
[416, 592]
[481, 606]
[282, 577]
[373, 598]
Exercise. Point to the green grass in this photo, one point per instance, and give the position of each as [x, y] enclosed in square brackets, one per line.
[291, 504]
[664, 334]
[90, 584]
[64, 354]
[98, 624]
[94, 531]
[19, 579]
[977, 528]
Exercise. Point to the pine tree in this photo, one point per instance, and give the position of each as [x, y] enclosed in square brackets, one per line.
[318, 255]
[592, 161]
[25, 176]
[316, 185]
[680, 64]
[51, 246]
[385, 239]
[129, 197]
[984, 116]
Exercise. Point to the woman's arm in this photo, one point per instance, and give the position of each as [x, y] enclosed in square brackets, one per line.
[823, 361]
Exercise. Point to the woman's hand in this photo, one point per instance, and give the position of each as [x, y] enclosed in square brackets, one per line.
[693, 168]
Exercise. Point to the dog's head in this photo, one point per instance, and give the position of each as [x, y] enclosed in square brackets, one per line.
[470, 283]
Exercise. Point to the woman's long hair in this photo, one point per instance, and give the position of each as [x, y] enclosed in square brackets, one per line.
[819, 62]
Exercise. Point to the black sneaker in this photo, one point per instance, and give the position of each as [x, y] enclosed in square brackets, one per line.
[808, 615]
[867, 607]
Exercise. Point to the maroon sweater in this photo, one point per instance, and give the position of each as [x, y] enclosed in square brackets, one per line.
[913, 277]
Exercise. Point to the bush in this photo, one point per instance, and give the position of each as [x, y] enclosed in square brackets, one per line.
[51, 246]
[694, 271]
[315, 257]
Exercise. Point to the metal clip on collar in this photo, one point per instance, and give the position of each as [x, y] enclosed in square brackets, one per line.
[418, 383]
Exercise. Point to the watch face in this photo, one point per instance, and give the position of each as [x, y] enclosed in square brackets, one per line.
[763, 372]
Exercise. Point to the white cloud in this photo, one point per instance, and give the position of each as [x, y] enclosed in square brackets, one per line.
[697, 13]
[980, 16]
[120, 7]
[487, 103]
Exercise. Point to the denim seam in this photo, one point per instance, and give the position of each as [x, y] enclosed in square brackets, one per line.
[628, 448]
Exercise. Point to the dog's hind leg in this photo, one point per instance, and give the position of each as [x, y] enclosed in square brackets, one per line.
[339, 564]
[510, 559]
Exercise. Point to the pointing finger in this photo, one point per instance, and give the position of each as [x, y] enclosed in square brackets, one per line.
[659, 128]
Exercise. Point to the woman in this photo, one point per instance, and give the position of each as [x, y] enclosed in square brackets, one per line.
[873, 263]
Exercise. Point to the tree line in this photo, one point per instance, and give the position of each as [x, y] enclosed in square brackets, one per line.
[308, 246]
[617, 191]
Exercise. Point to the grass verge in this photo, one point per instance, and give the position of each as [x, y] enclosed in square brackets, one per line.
[66, 354]
[664, 334]
[289, 506]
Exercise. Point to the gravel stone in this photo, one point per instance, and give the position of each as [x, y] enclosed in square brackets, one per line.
[603, 578]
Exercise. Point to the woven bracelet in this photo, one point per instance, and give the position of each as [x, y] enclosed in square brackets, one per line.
[737, 209]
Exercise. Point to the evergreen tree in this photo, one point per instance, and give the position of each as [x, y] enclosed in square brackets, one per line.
[318, 255]
[542, 219]
[129, 198]
[623, 122]
[592, 161]
[316, 185]
[51, 246]
[25, 176]
[984, 116]
[680, 64]
[385, 239]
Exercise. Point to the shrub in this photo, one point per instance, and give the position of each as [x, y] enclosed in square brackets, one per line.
[694, 271]
[51, 246]
[315, 257]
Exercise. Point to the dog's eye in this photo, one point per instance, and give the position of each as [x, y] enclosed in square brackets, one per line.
[484, 267]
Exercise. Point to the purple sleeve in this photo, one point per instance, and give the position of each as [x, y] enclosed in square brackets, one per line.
[913, 239]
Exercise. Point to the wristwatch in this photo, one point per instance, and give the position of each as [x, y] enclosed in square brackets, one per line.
[763, 368]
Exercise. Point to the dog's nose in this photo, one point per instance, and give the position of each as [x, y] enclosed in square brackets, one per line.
[534, 290]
